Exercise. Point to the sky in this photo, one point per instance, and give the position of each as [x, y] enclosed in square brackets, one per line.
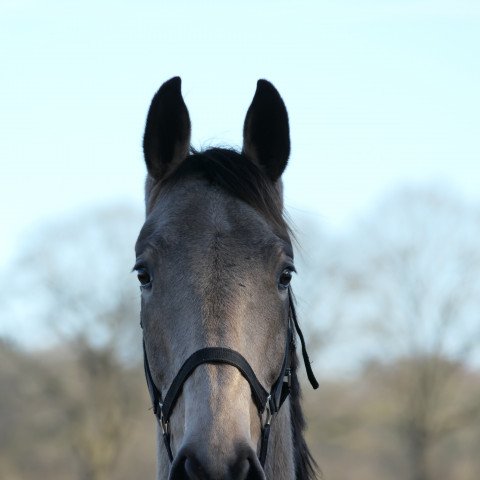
[378, 93]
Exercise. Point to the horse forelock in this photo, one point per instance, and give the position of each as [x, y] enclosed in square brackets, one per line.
[236, 175]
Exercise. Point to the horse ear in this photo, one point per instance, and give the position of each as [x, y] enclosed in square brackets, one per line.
[166, 141]
[266, 137]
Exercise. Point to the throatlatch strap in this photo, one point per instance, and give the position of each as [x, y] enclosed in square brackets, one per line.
[156, 399]
[281, 388]
[214, 355]
[152, 389]
[306, 359]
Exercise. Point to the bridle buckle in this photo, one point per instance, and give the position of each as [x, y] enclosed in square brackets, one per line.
[163, 423]
[268, 410]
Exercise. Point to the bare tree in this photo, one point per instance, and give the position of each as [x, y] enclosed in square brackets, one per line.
[409, 282]
[77, 285]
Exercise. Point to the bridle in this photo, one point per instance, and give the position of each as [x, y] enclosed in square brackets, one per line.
[266, 402]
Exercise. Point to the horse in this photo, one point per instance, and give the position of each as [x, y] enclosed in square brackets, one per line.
[214, 260]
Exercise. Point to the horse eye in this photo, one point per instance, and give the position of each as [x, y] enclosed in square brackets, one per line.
[143, 277]
[285, 278]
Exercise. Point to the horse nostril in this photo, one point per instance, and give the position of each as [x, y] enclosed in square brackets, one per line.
[247, 467]
[178, 469]
[194, 470]
[254, 471]
[240, 470]
[187, 467]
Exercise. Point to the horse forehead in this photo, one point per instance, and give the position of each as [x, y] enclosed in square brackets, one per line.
[200, 212]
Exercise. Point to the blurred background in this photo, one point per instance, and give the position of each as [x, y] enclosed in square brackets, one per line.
[382, 190]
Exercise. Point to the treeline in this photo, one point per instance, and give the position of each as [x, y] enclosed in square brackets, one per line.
[367, 427]
[390, 307]
[62, 420]
[73, 413]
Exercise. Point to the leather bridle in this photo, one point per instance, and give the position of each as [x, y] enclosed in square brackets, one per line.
[268, 403]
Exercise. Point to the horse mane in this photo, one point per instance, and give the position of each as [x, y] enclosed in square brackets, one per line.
[243, 179]
[306, 467]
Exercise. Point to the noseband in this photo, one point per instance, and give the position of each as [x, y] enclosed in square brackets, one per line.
[268, 403]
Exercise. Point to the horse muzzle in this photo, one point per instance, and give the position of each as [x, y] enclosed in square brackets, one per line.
[192, 464]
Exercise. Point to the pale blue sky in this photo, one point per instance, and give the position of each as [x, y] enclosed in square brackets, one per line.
[378, 92]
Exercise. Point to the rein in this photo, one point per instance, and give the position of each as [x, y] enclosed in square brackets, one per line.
[266, 402]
